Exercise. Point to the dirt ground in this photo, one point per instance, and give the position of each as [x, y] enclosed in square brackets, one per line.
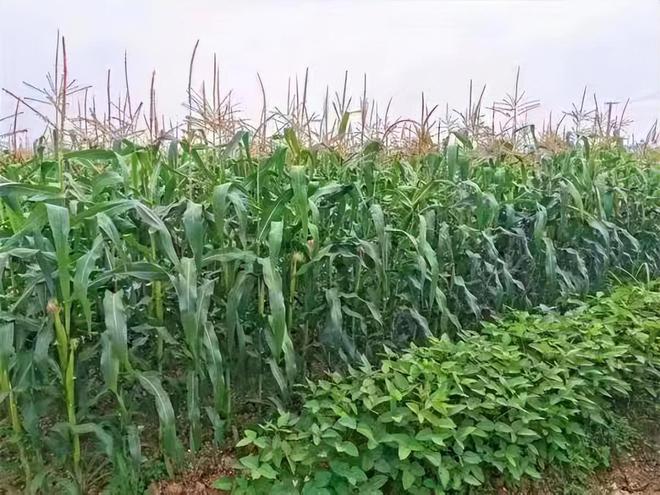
[209, 465]
[636, 473]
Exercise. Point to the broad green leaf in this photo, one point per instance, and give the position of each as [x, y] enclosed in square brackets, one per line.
[277, 317]
[151, 383]
[58, 219]
[115, 324]
[299, 186]
[194, 226]
[81, 280]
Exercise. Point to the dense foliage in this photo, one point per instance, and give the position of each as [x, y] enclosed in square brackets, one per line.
[194, 275]
[509, 401]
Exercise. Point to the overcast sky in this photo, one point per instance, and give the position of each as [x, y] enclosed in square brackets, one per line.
[405, 47]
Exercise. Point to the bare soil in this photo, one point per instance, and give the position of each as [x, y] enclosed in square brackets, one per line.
[635, 473]
[209, 465]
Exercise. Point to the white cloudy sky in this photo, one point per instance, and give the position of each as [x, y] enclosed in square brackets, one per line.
[404, 46]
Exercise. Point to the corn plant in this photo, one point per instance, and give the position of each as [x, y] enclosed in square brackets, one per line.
[210, 279]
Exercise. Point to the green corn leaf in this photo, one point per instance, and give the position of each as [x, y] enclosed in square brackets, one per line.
[602, 230]
[103, 436]
[540, 223]
[81, 282]
[58, 219]
[239, 202]
[204, 293]
[290, 360]
[6, 344]
[43, 341]
[378, 219]
[279, 377]
[25, 254]
[235, 334]
[91, 155]
[421, 321]
[452, 161]
[220, 205]
[275, 240]
[225, 255]
[277, 317]
[107, 226]
[199, 162]
[193, 224]
[430, 258]
[109, 364]
[194, 413]
[151, 383]
[330, 192]
[470, 299]
[185, 284]
[33, 191]
[108, 208]
[446, 314]
[273, 213]
[550, 260]
[334, 327]
[229, 148]
[115, 324]
[145, 214]
[34, 223]
[487, 210]
[580, 264]
[141, 270]
[292, 141]
[300, 200]
[154, 222]
[575, 195]
[216, 370]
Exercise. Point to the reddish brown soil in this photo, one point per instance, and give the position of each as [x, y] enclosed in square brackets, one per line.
[209, 465]
[636, 473]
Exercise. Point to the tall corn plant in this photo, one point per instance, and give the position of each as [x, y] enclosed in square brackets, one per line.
[198, 276]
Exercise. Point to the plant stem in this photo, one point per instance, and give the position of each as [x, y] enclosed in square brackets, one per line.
[159, 314]
[69, 385]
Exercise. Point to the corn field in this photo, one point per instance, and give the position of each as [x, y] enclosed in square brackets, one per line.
[193, 283]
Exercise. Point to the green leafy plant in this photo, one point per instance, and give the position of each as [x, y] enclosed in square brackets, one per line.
[512, 400]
